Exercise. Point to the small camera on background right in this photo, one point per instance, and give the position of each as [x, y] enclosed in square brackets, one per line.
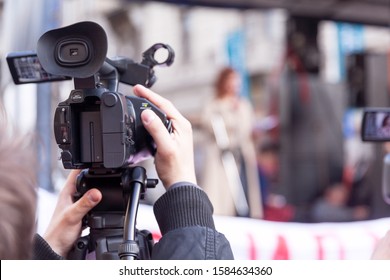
[376, 128]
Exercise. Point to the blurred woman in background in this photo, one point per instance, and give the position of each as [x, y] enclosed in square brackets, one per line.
[228, 121]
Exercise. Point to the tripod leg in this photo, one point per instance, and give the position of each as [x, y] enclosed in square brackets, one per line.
[129, 249]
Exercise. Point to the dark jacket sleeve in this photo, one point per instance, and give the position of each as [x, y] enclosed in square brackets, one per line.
[43, 251]
[185, 218]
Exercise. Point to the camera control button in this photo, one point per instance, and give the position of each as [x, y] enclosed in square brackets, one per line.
[110, 99]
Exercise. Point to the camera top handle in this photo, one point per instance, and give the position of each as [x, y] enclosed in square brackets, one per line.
[133, 73]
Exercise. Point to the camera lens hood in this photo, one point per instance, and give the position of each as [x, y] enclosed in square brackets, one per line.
[78, 50]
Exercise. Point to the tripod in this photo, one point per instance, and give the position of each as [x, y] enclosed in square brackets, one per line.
[113, 234]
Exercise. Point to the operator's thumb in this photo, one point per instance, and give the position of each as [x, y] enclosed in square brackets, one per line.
[94, 196]
[85, 204]
[147, 117]
[156, 128]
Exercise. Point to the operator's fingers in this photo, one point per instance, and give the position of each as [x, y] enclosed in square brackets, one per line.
[164, 104]
[82, 206]
[156, 128]
[70, 185]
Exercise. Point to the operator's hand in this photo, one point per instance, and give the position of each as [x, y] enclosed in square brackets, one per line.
[65, 225]
[174, 158]
[382, 249]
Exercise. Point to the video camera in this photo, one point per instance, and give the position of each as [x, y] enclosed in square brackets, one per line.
[99, 129]
[96, 126]
[376, 128]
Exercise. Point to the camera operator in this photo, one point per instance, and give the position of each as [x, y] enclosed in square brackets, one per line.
[183, 213]
[17, 191]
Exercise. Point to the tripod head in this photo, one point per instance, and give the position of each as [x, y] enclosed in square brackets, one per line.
[112, 223]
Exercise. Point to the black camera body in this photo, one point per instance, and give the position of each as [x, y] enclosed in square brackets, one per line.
[98, 127]
[103, 129]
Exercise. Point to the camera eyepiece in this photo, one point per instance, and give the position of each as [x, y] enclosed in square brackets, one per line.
[77, 50]
[73, 53]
